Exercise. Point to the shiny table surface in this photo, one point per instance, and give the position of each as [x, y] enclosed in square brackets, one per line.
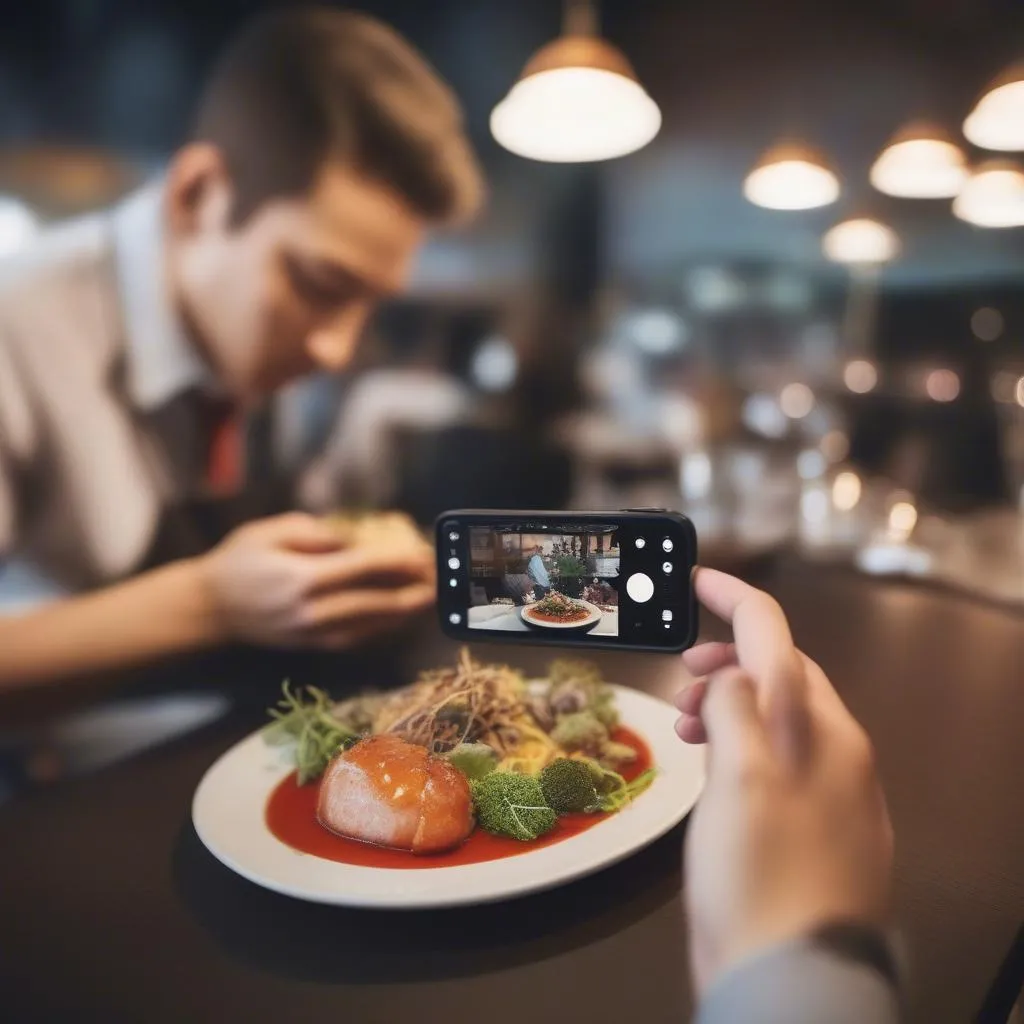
[111, 910]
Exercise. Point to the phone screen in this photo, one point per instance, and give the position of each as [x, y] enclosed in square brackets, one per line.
[588, 579]
[565, 580]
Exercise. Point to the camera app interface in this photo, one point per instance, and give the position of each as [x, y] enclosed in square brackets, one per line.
[545, 582]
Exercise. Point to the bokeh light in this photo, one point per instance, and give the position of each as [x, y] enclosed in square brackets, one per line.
[796, 400]
[942, 385]
[846, 491]
[860, 376]
[987, 323]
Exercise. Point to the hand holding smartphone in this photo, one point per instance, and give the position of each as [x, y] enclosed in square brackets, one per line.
[589, 579]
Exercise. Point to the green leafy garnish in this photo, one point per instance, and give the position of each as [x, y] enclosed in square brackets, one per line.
[626, 792]
[303, 720]
[614, 792]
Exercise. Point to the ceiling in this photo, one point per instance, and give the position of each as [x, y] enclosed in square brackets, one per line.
[731, 76]
[844, 76]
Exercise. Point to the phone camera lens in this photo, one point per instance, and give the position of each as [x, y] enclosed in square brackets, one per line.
[455, 618]
[666, 544]
[667, 567]
[641, 543]
[453, 535]
[453, 563]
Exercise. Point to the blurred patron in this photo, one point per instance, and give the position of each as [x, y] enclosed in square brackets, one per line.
[410, 388]
[141, 349]
[538, 572]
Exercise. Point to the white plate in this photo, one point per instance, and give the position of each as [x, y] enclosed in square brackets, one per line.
[594, 616]
[228, 812]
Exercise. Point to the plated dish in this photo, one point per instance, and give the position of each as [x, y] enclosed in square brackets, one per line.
[557, 611]
[471, 784]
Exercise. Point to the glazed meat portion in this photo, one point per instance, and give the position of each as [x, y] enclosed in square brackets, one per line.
[393, 793]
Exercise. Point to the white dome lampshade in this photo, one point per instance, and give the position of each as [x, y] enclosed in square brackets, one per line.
[997, 122]
[577, 100]
[861, 241]
[791, 176]
[920, 162]
[993, 196]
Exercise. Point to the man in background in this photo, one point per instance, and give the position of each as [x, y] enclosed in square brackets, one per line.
[140, 351]
[538, 572]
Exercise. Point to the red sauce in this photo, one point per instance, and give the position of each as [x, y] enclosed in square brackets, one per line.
[291, 817]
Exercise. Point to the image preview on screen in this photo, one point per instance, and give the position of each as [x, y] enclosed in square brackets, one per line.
[545, 581]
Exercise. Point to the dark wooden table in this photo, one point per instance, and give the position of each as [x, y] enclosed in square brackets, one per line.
[111, 910]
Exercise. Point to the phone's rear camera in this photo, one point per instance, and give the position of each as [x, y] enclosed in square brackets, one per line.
[640, 543]
[455, 618]
[454, 535]
[453, 564]
[666, 544]
[666, 567]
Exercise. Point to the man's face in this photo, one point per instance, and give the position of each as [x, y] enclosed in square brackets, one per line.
[289, 290]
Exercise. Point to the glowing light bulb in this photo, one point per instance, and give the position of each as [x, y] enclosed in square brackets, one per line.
[920, 163]
[791, 177]
[578, 100]
[861, 240]
[997, 122]
[993, 196]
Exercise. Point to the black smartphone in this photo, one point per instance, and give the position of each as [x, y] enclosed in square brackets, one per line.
[584, 579]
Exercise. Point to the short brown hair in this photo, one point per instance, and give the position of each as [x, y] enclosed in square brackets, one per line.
[302, 85]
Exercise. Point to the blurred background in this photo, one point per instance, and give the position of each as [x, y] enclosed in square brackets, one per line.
[796, 313]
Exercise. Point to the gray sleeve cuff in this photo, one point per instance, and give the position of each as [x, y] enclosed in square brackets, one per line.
[799, 983]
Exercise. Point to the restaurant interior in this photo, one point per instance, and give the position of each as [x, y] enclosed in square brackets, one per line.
[765, 269]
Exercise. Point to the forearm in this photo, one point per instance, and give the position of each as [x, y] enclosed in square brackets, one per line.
[166, 611]
[799, 983]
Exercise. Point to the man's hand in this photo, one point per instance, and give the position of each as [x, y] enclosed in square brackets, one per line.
[792, 831]
[295, 580]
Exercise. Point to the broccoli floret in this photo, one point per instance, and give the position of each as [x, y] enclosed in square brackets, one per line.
[509, 804]
[474, 760]
[581, 731]
[570, 785]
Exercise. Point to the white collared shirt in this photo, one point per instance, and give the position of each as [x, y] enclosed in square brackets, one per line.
[92, 355]
[161, 361]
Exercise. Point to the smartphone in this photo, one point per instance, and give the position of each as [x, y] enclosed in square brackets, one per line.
[619, 580]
